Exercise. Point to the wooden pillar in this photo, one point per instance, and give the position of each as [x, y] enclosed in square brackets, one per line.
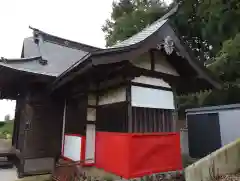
[175, 112]
[129, 108]
[64, 121]
[16, 125]
[91, 128]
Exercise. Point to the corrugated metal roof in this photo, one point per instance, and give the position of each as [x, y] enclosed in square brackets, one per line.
[62, 54]
[213, 108]
[58, 57]
[148, 31]
[142, 35]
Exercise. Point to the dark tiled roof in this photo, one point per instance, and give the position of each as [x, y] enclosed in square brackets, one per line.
[146, 32]
[62, 54]
[67, 43]
[142, 35]
[58, 53]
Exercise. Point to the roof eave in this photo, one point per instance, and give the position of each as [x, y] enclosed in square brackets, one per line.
[65, 42]
[201, 70]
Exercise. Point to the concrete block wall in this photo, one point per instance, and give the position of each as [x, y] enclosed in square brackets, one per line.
[223, 161]
[184, 141]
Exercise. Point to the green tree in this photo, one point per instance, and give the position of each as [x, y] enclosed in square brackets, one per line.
[7, 117]
[206, 24]
[131, 16]
[226, 66]
[227, 61]
[211, 28]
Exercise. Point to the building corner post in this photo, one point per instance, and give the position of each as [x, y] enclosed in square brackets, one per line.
[175, 112]
[64, 122]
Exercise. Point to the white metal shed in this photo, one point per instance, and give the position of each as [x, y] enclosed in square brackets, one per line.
[210, 128]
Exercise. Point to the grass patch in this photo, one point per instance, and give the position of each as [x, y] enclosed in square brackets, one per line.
[6, 129]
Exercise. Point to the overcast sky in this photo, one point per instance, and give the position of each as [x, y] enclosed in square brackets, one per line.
[78, 20]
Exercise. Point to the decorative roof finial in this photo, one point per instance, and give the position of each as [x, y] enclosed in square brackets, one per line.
[168, 45]
[36, 33]
[43, 61]
[4, 60]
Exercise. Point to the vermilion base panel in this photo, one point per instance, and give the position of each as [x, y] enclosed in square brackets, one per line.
[136, 155]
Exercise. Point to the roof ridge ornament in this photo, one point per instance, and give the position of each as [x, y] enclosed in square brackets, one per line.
[43, 61]
[37, 39]
[167, 44]
[22, 60]
[36, 33]
[4, 60]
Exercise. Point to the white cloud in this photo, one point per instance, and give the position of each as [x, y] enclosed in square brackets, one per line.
[78, 20]
[7, 107]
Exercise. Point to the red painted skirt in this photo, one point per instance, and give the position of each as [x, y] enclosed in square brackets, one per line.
[135, 155]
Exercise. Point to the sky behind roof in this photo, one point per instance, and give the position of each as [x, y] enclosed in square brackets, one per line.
[78, 20]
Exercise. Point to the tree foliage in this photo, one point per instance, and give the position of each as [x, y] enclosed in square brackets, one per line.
[206, 24]
[211, 28]
[226, 66]
[131, 16]
[227, 61]
[7, 117]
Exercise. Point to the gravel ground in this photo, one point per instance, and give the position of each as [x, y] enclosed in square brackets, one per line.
[8, 174]
[5, 145]
[230, 177]
[36, 178]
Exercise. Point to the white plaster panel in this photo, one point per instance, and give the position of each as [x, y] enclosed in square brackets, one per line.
[92, 99]
[113, 96]
[151, 81]
[229, 125]
[90, 143]
[152, 98]
[161, 65]
[91, 114]
[72, 147]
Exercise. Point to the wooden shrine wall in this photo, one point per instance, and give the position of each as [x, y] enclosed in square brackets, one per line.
[76, 116]
[18, 130]
[152, 103]
[42, 126]
[155, 61]
[38, 132]
[112, 111]
[148, 120]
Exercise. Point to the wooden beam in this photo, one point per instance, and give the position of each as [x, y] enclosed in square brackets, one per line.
[129, 107]
[152, 59]
[151, 86]
[91, 122]
[64, 120]
[175, 113]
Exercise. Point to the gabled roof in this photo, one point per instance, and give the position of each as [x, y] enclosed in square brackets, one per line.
[64, 42]
[142, 35]
[147, 31]
[58, 53]
[45, 54]
[148, 38]
[128, 44]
